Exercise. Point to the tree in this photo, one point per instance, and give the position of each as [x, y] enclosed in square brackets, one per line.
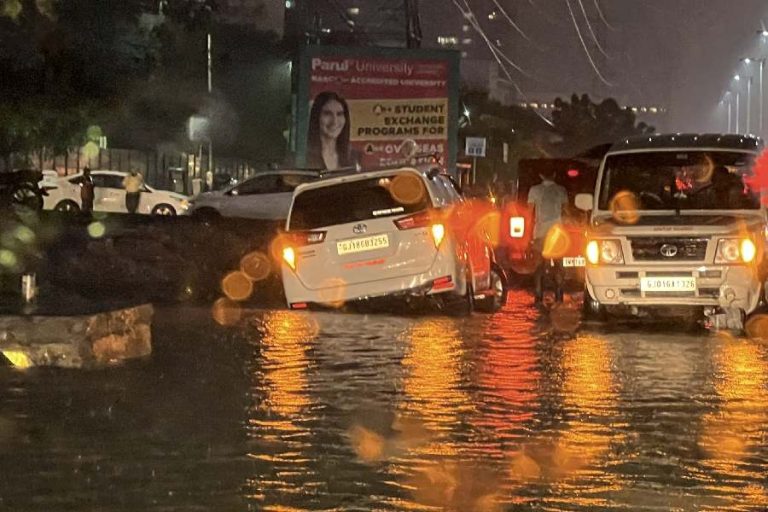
[521, 129]
[584, 124]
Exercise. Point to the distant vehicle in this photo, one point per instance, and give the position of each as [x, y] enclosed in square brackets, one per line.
[20, 188]
[677, 224]
[109, 195]
[395, 232]
[265, 196]
[577, 175]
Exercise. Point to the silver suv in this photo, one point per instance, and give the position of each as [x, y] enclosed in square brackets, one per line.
[677, 222]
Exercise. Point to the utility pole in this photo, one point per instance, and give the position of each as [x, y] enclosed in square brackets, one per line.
[211, 167]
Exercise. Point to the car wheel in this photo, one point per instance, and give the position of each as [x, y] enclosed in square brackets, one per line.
[67, 206]
[498, 298]
[164, 210]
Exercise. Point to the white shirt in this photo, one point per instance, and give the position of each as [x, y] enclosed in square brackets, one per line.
[548, 199]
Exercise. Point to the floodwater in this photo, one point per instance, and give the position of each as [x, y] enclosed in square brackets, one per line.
[289, 411]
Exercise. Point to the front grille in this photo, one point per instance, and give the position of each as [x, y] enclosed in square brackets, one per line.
[668, 249]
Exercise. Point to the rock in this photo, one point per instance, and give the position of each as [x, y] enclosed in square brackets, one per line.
[83, 341]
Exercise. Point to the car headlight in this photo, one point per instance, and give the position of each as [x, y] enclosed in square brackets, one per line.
[735, 250]
[605, 252]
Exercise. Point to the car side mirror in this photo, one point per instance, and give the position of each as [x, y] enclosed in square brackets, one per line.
[584, 202]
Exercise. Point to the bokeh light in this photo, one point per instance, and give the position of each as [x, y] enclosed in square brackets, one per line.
[332, 292]
[226, 312]
[368, 445]
[407, 188]
[237, 286]
[256, 266]
[624, 207]
[24, 234]
[557, 243]
[90, 150]
[8, 259]
[96, 229]
[757, 327]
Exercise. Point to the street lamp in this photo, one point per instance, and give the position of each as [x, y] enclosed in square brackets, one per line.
[748, 61]
[737, 78]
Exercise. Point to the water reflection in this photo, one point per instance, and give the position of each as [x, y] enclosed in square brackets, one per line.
[279, 437]
[731, 435]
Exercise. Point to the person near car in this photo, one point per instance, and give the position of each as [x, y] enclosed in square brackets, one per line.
[86, 192]
[549, 200]
[133, 183]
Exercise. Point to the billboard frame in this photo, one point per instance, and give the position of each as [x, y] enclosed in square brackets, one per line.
[301, 88]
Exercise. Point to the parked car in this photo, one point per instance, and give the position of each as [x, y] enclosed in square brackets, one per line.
[109, 195]
[397, 232]
[677, 224]
[265, 196]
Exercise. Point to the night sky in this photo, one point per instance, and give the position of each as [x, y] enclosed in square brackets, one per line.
[679, 54]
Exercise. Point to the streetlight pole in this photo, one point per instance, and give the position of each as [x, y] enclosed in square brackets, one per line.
[749, 104]
[737, 112]
[730, 109]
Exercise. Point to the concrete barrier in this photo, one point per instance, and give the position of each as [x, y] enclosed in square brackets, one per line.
[78, 341]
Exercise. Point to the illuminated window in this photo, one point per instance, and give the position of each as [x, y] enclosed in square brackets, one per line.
[447, 40]
[467, 40]
[353, 11]
[465, 28]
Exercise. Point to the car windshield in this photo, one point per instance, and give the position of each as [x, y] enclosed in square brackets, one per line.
[680, 180]
[358, 200]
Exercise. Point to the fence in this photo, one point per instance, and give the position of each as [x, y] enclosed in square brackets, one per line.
[160, 169]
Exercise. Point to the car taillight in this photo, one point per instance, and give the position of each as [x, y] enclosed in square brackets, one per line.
[423, 220]
[296, 239]
[517, 227]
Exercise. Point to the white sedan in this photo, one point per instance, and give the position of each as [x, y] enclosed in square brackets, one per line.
[109, 195]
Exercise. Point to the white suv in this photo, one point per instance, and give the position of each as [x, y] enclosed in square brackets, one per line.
[677, 222]
[389, 232]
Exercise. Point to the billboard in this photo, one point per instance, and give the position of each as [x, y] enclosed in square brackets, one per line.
[375, 107]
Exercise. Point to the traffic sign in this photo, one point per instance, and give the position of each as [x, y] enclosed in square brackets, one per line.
[475, 146]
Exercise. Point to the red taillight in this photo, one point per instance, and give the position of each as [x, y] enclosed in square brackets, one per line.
[442, 283]
[299, 305]
[300, 238]
[423, 220]
[418, 220]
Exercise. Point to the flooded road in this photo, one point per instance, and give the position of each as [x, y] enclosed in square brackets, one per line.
[289, 411]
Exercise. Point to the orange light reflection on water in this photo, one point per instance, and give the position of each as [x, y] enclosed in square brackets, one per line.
[731, 434]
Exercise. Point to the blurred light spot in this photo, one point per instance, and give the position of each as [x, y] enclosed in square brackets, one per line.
[457, 486]
[7, 258]
[557, 242]
[256, 266]
[524, 468]
[237, 286]
[24, 234]
[332, 292]
[18, 359]
[94, 133]
[490, 225]
[90, 150]
[96, 229]
[757, 327]
[226, 312]
[11, 9]
[368, 445]
[565, 318]
[624, 207]
[407, 188]
[412, 431]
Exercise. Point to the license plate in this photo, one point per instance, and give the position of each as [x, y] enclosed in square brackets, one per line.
[578, 261]
[369, 243]
[668, 284]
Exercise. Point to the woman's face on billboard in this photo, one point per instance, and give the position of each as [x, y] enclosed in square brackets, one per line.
[332, 119]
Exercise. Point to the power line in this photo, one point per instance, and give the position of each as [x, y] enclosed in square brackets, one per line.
[602, 16]
[511, 21]
[592, 32]
[584, 45]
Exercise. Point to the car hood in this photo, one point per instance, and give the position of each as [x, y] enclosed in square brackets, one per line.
[209, 195]
[686, 223]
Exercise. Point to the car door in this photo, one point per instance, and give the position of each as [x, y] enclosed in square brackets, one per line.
[109, 194]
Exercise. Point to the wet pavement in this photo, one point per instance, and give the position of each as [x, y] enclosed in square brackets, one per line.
[289, 411]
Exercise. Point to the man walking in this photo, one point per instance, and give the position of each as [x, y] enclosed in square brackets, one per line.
[548, 200]
[86, 192]
[133, 183]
